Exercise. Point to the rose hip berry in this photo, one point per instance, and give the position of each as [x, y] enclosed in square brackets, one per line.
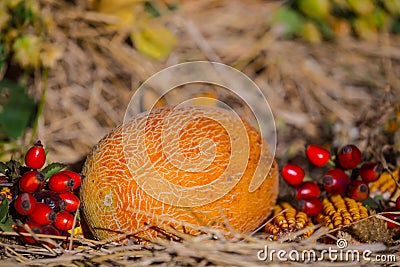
[64, 221]
[50, 230]
[36, 228]
[317, 155]
[293, 174]
[335, 181]
[349, 156]
[61, 183]
[71, 200]
[25, 203]
[36, 156]
[306, 190]
[358, 190]
[31, 181]
[398, 203]
[393, 217]
[49, 211]
[50, 198]
[311, 206]
[370, 171]
[42, 214]
[77, 177]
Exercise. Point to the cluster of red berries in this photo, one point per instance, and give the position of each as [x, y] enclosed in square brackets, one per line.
[345, 177]
[47, 206]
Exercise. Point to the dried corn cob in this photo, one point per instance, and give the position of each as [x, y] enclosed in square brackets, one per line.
[287, 219]
[338, 211]
[385, 186]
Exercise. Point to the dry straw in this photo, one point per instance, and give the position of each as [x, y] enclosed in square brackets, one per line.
[346, 85]
[211, 248]
[342, 90]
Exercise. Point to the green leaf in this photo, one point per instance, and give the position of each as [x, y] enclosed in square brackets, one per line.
[395, 26]
[150, 8]
[78, 216]
[22, 15]
[371, 203]
[4, 210]
[288, 20]
[2, 56]
[155, 41]
[13, 166]
[3, 168]
[52, 168]
[7, 225]
[17, 111]
[308, 178]
[7, 84]
[325, 30]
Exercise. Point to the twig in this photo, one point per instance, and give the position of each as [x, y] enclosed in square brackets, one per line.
[71, 241]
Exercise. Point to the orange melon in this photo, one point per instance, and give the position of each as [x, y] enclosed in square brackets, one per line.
[178, 166]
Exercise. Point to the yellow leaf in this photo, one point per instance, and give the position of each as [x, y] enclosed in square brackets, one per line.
[109, 7]
[4, 17]
[155, 41]
[27, 50]
[311, 33]
[125, 18]
[12, 3]
[77, 231]
[50, 54]
[122, 10]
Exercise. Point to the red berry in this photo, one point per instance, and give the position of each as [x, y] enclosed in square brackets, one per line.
[61, 183]
[36, 156]
[50, 230]
[71, 200]
[50, 198]
[393, 217]
[25, 203]
[36, 228]
[293, 174]
[31, 181]
[311, 206]
[358, 190]
[335, 181]
[349, 156]
[307, 189]
[398, 203]
[370, 171]
[42, 214]
[76, 176]
[317, 155]
[64, 221]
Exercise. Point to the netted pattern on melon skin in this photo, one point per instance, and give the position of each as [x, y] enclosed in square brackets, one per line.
[168, 136]
[114, 203]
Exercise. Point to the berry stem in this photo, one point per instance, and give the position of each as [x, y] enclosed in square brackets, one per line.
[307, 178]
[331, 162]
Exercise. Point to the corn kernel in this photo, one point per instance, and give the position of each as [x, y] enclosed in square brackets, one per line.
[385, 186]
[287, 219]
[340, 211]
